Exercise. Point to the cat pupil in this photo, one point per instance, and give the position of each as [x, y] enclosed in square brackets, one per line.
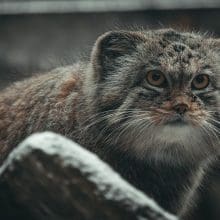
[156, 76]
[200, 79]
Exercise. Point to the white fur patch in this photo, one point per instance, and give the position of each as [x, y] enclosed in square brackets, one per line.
[171, 143]
[176, 133]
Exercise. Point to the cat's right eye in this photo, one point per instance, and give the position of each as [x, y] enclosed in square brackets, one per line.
[156, 78]
[201, 81]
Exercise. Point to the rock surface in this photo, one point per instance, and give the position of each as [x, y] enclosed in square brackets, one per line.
[50, 177]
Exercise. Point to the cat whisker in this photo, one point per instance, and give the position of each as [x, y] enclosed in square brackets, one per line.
[211, 131]
[132, 122]
[105, 116]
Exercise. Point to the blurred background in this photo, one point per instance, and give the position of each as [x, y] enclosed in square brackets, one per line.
[36, 36]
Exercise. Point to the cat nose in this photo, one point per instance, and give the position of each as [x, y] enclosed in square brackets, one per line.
[181, 108]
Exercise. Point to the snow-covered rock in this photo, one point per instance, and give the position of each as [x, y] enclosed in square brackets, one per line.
[50, 177]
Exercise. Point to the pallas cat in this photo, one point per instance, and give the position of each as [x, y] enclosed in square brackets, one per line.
[147, 103]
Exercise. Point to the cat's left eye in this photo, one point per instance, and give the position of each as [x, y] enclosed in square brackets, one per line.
[201, 81]
[155, 78]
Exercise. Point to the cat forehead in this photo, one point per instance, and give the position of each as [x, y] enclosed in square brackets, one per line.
[170, 36]
[169, 40]
[177, 52]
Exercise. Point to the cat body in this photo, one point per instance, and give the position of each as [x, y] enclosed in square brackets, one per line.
[147, 103]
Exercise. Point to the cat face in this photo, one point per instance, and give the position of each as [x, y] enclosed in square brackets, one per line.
[157, 93]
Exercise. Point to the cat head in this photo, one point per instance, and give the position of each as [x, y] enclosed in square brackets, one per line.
[156, 93]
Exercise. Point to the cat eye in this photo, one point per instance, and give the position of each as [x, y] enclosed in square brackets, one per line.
[200, 82]
[156, 78]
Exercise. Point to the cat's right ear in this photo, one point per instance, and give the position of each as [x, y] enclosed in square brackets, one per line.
[215, 44]
[109, 47]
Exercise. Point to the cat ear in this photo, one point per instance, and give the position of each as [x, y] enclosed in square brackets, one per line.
[109, 47]
[215, 43]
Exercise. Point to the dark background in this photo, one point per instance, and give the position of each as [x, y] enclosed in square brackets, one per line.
[37, 36]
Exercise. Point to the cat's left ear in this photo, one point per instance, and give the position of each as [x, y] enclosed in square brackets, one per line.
[111, 46]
